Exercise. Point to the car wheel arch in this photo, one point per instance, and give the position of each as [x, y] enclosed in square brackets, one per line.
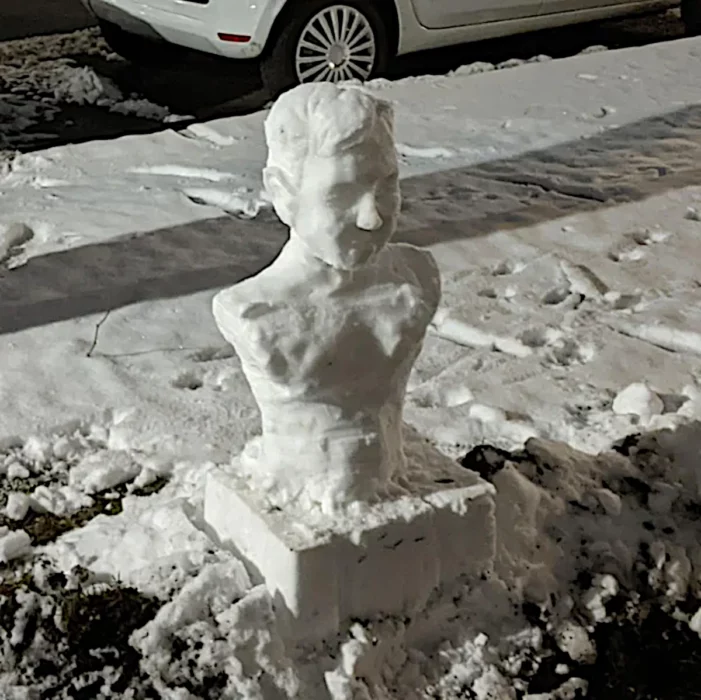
[388, 9]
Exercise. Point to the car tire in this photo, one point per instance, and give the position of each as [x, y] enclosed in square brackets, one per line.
[284, 60]
[133, 48]
[691, 16]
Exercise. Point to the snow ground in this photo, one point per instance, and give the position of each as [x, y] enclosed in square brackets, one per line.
[562, 200]
[521, 178]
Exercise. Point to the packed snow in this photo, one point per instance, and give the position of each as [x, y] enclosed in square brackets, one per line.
[556, 198]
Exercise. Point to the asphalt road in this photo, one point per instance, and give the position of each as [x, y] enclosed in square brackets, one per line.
[23, 18]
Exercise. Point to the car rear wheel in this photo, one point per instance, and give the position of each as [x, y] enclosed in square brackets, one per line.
[326, 42]
[691, 16]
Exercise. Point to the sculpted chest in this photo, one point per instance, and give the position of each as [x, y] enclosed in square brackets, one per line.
[295, 339]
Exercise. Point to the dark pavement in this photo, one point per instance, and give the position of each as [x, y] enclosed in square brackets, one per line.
[23, 18]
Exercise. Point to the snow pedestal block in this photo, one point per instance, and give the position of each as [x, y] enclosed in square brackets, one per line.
[385, 558]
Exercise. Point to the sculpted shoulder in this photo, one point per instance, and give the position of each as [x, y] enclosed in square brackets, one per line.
[420, 264]
[238, 304]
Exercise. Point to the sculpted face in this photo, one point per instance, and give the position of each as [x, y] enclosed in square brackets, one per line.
[347, 206]
[342, 202]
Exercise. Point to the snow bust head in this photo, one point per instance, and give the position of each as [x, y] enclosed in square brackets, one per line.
[332, 171]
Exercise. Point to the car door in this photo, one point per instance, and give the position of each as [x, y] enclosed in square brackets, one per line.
[550, 7]
[443, 14]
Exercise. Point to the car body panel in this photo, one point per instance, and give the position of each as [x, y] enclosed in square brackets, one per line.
[415, 37]
[196, 26]
[459, 13]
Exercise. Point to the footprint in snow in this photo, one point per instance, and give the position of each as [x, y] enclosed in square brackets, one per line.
[556, 295]
[211, 353]
[633, 246]
[623, 302]
[557, 349]
[508, 267]
[494, 293]
[189, 379]
[567, 351]
[579, 283]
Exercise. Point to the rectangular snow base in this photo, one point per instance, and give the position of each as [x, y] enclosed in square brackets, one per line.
[387, 561]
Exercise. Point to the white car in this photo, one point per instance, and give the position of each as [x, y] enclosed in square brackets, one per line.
[309, 40]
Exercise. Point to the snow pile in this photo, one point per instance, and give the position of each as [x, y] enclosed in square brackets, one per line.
[35, 93]
[217, 637]
[584, 542]
[486, 67]
[13, 544]
[39, 76]
[38, 49]
[82, 86]
[103, 470]
[72, 85]
[560, 512]
[49, 475]
[208, 622]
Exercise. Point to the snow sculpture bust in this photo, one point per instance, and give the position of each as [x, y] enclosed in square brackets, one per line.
[328, 333]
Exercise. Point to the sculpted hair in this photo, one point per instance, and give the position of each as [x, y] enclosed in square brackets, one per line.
[323, 119]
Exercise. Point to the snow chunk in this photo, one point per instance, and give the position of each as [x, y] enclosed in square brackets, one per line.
[695, 622]
[28, 602]
[15, 470]
[141, 108]
[473, 68]
[610, 501]
[62, 500]
[103, 470]
[491, 685]
[596, 48]
[64, 447]
[152, 545]
[662, 497]
[84, 86]
[240, 202]
[570, 690]
[574, 641]
[37, 450]
[639, 400]
[603, 589]
[17, 505]
[13, 544]
[486, 414]
[693, 214]
[12, 236]
[216, 588]
[220, 635]
[409, 151]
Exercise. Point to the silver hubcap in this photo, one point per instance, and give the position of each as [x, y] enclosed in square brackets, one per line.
[337, 44]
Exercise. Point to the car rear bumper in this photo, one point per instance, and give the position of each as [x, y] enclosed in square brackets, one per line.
[246, 24]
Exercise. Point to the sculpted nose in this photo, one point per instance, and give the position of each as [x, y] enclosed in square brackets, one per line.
[368, 218]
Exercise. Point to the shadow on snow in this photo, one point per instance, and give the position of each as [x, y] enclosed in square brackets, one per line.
[626, 164]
